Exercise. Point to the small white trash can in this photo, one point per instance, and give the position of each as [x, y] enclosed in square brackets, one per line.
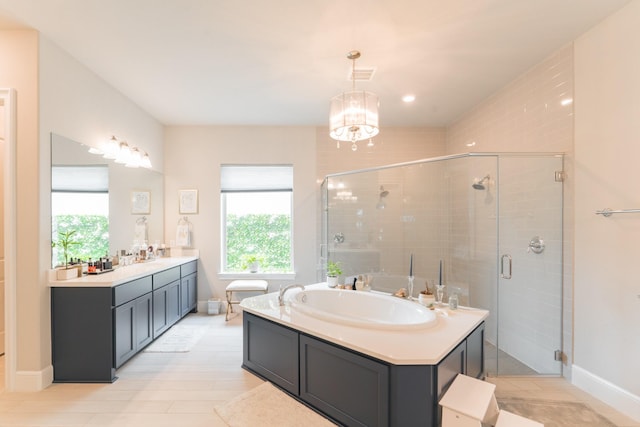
[213, 306]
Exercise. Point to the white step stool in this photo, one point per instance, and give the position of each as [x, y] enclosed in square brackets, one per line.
[508, 419]
[469, 402]
[243, 286]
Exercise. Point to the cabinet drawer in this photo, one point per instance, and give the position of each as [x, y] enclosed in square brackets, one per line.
[165, 277]
[131, 290]
[188, 268]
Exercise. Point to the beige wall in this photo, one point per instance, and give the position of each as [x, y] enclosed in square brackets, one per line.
[79, 105]
[607, 294]
[192, 161]
[20, 50]
[75, 103]
[54, 93]
[2, 159]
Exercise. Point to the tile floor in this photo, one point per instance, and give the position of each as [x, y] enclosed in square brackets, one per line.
[181, 389]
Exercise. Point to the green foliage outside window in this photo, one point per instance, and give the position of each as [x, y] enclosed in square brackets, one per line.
[266, 236]
[91, 232]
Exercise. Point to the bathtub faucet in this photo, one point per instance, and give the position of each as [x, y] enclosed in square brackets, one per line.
[285, 289]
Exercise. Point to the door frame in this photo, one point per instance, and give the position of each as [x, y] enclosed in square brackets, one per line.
[8, 96]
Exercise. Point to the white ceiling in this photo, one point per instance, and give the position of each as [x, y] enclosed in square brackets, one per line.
[278, 62]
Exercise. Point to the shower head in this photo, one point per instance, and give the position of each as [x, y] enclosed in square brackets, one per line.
[479, 185]
[383, 193]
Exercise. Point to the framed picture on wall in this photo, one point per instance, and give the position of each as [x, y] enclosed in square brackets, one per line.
[188, 202]
[141, 202]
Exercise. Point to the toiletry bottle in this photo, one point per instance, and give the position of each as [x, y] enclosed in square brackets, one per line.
[453, 301]
[359, 283]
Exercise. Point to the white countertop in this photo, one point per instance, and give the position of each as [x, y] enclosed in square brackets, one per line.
[412, 347]
[122, 274]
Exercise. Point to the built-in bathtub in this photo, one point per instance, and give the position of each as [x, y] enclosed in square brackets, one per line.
[356, 374]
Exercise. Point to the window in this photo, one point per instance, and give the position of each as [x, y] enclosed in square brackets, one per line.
[256, 216]
[80, 203]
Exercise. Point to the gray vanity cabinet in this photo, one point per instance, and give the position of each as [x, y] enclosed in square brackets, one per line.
[188, 288]
[82, 335]
[352, 388]
[132, 318]
[95, 330]
[133, 328]
[166, 300]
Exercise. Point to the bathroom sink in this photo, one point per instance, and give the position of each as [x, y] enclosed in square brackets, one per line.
[363, 309]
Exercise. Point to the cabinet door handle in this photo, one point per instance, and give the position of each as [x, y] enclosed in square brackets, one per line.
[502, 266]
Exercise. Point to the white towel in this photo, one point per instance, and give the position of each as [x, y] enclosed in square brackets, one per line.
[140, 233]
[183, 236]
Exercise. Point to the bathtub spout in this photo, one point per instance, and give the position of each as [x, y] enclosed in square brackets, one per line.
[285, 289]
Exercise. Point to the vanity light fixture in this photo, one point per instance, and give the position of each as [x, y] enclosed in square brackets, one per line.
[146, 161]
[135, 160]
[94, 150]
[353, 116]
[111, 149]
[124, 154]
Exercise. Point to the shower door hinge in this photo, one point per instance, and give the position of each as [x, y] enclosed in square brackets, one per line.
[560, 176]
[557, 355]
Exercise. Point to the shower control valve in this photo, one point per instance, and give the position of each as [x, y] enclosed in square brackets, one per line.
[536, 245]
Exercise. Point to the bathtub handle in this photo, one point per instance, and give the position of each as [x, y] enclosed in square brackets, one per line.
[502, 266]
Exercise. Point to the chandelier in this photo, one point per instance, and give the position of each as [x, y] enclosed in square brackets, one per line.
[353, 116]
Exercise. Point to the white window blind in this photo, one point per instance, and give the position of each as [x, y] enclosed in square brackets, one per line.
[239, 178]
[80, 179]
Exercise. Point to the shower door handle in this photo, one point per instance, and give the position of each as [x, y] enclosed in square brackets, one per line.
[509, 260]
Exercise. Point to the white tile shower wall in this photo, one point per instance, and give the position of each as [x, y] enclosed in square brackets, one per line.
[532, 114]
[393, 145]
[472, 243]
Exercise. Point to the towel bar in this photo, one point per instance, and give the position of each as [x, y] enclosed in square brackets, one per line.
[608, 212]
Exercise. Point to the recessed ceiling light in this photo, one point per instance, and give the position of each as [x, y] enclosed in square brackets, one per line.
[409, 98]
[566, 101]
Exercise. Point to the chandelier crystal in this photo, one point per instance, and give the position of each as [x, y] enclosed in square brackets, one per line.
[353, 116]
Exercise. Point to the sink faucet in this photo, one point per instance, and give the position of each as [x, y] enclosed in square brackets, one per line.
[285, 289]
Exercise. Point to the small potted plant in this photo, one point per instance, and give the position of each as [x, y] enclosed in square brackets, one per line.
[251, 262]
[426, 295]
[333, 273]
[65, 242]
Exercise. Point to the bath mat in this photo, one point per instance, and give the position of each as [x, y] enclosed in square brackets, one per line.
[554, 413]
[178, 339]
[266, 405]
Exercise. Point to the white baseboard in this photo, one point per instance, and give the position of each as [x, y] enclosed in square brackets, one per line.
[34, 380]
[609, 393]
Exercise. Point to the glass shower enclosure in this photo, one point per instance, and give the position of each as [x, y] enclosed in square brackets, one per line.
[494, 223]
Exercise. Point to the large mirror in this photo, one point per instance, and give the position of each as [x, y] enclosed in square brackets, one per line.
[111, 206]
